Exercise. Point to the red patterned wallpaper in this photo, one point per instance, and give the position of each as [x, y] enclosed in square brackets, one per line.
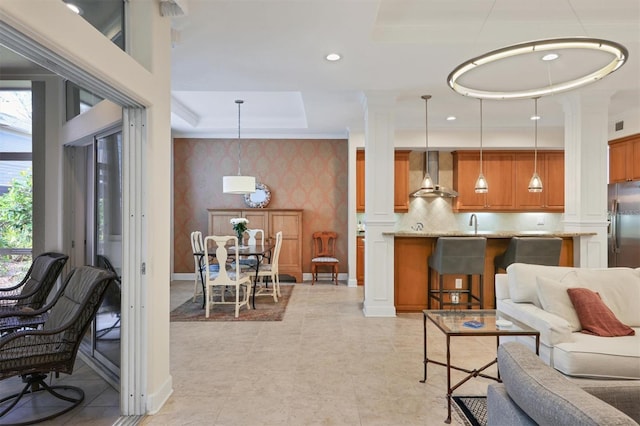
[308, 174]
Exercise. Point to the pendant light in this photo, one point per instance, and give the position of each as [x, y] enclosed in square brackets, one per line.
[535, 184]
[481, 184]
[427, 184]
[238, 184]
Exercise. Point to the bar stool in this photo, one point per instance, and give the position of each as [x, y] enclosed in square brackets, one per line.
[534, 250]
[457, 255]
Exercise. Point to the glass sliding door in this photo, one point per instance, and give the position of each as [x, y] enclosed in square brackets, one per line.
[108, 245]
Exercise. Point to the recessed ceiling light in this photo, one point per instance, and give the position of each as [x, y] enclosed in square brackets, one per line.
[74, 8]
[535, 117]
[451, 118]
[332, 57]
[550, 57]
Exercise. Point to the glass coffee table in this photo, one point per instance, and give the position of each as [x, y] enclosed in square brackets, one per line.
[471, 323]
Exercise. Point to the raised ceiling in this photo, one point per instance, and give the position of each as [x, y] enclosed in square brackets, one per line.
[271, 54]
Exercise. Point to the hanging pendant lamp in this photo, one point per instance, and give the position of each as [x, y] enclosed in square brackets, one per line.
[238, 184]
[535, 184]
[427, 184]
[482, 186]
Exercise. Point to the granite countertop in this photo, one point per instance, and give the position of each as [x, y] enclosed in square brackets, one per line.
[489, 234]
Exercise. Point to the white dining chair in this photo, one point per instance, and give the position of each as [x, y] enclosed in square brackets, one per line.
[223, 278]
[270, 270]
[197, 246]
[255, 236]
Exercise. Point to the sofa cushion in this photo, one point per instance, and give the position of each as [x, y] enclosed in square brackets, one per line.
[553, 329]
[586, 355]
[595, 317]
[547, 396]
[555, 299]
[618, 287]
[522, 280]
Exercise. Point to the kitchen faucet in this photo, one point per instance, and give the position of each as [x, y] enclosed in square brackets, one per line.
[473, 220]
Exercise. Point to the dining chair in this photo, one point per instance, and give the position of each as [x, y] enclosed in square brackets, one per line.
[223, 278]
[255, 236]
[324, 246]
[270, 270]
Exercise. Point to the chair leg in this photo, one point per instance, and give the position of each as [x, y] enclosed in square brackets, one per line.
[274, 288]
[335, 271]
[313, 274]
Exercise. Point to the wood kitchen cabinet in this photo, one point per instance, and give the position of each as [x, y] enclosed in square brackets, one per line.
[498, 169]
[551, 171]
[360, 260]
[508, 174]
[271, 221]
[624, 159]
[401, 181]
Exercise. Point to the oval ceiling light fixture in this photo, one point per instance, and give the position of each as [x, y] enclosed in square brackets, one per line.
[76, 9]
[332, 57]
[550, 57]
[618, 53]
[451, 118]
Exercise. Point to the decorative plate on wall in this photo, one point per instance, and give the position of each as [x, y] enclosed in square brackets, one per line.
[259, 199]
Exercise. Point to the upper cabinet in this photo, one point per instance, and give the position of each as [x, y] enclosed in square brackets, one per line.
[401, 181]
[551, 170]
[624, 159]
[508, 174]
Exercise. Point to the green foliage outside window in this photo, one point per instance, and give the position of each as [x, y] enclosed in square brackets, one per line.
[16, 213]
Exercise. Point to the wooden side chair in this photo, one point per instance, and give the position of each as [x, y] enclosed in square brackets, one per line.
[324, 247]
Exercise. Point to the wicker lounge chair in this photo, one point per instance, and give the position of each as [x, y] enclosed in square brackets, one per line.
[32, 354]
[33, 290]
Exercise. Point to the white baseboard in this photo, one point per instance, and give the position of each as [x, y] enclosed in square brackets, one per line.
[156, 400]
[183, 276]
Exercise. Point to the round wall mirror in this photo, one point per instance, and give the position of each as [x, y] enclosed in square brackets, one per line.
[260, 198]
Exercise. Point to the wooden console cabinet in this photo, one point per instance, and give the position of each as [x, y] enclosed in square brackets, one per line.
[271, 221]
[624, 159]
[401, 181]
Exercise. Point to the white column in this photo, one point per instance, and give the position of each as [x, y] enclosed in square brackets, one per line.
[355, 138]
[379, 187]
[586, 174]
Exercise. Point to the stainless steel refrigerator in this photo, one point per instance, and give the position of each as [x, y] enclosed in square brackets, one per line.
[624, 224]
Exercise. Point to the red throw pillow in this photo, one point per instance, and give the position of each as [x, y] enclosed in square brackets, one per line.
[595, 317]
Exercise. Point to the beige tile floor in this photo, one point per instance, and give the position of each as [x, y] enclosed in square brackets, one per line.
[324, 364]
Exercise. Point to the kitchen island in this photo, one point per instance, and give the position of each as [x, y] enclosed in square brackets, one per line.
[412, 250]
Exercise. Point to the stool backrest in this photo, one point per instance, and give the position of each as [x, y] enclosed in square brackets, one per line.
[533, 250]
[459, 255]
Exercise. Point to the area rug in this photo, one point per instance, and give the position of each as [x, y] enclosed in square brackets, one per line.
[473, 409]
[266, 309]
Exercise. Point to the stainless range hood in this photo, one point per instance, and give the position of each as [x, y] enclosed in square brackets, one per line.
[438, 191]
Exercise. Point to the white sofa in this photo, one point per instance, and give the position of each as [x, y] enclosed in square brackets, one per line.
[536, 295]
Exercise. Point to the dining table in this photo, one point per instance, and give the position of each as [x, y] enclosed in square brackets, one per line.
[257, 251]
